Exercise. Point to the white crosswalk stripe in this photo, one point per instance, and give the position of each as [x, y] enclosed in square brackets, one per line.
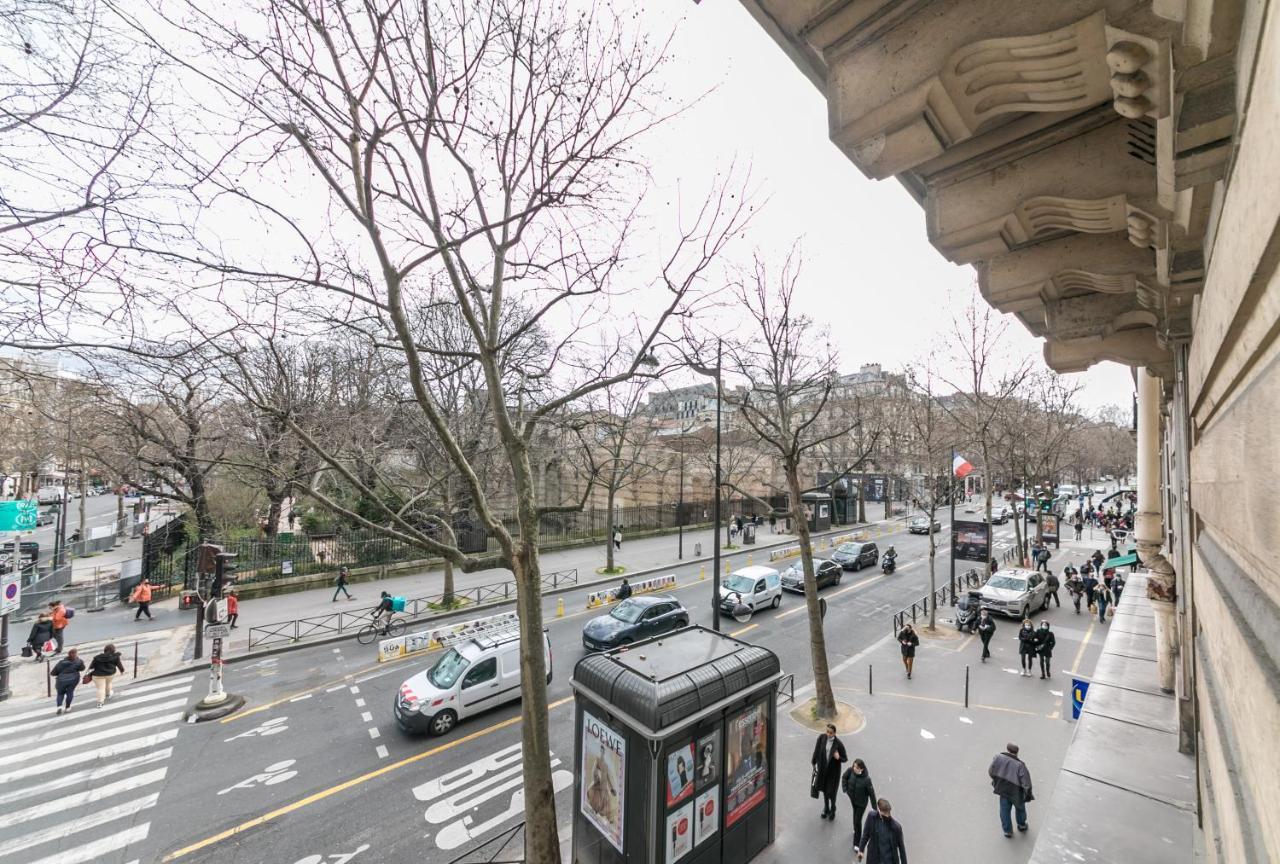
[81, 787]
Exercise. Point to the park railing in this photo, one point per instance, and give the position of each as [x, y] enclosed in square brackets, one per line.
[920, 608]
[336, 623]
[787, 688]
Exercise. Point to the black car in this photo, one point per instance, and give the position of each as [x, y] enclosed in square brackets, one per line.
[826, 573]
[634, 619]
[923, 525]
[855, 556]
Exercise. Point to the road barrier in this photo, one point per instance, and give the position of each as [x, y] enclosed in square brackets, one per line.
[426, 640]
[645, 586]
[941, 597]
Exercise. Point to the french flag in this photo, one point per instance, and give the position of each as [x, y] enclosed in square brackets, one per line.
[960, 466]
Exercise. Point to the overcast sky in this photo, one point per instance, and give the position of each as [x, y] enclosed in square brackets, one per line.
[870, 270]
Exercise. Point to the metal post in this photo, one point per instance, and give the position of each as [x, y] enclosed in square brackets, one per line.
[966, 685]
[48, 678]
[135, 659]
[870, 681]
[15, 561]
[951, 473]
[680, 507]
[715, 566]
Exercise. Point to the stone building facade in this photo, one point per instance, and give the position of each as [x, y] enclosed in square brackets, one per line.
[1110, 168]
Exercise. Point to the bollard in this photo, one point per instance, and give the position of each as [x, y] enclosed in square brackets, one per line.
[726, 568]
[702, 573]
[870, 689]
[48, 680]
[748, 559]
[135, 659]
[560, 607]
[966, 685]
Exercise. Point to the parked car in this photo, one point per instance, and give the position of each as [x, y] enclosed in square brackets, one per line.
[1016, 593]
[825, 573]
[46, 517]
[1000, 515]
[474, 675]
[753, 587]
[634, 619]
[855, 556]
[923, 525]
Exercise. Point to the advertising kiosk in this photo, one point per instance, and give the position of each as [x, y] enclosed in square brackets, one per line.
[674, 751]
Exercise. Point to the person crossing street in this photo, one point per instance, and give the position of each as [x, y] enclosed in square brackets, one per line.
[103, 668]
[66, 675]
[142, 596]
[986, 629]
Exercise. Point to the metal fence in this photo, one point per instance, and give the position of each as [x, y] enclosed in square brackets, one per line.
[504, 848]
[335, 623]
[920, 608]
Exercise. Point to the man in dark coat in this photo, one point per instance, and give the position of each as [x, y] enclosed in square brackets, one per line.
[986, 629]
[1011, 780]
[828, 757]
[882, 837]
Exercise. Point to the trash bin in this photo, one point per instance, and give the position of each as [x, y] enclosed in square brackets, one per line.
[674, 756]
[749, 534]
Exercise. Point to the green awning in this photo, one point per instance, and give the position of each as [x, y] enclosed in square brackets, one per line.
[1122, 561]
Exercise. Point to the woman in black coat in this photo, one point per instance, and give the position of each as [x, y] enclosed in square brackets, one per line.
[1044, 641]
[1026, 647]
[861, 791]
[66, 675]
[908, 639]
[828, 755]
[41, 632]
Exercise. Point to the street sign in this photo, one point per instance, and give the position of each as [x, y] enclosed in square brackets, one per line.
[10, 592]
[18, 515]
[1079, 689]
[217, 631]
[286, 568]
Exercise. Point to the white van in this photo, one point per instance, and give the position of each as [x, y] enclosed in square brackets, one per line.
[48, 494]
[474, 674]
[755, 587]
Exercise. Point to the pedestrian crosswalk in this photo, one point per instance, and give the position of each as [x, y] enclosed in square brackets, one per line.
[82, 787]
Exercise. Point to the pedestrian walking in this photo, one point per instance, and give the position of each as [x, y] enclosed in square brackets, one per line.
[233, 609]
[1117, 586]
[1052, 585]
[882, 837]
[1045, 641]
[1011, 780]
[1102, 594]
[1026, 647]
[908, 639]
[66, 677]
[41, 635]
[773, 523]
[1098, 558]
[986, 629]
[617, 538]
[103, 667]
[828, 755]
[1075, 587]
[1042, 558]
[861, 791]
[60, 617]
[1090, 584]
[142, 596]
[341, 583]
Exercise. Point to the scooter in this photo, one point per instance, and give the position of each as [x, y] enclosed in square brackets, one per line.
[888, 564]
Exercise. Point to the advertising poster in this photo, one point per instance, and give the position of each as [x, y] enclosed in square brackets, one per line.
[708, 756]
[706, 817]
[679, 774]
[604, 761]
[746, 762]
[971, 541]
[679, 833]
[1049, 526]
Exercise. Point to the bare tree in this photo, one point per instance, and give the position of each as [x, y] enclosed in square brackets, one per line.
[790, 369]
[929, 432]
[622, 450]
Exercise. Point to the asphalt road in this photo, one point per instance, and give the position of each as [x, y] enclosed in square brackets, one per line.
[99, 510]
[315, 768]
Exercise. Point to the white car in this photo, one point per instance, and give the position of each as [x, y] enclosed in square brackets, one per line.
[473, 675]
[1016, 592]
[753, 587]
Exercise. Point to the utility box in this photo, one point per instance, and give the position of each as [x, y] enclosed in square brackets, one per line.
[674, 748]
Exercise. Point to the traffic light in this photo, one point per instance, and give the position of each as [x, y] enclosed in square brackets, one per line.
[207, 561]
[224, 569]
[188, 600]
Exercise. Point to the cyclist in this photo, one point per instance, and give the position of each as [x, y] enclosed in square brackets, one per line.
[382, 612]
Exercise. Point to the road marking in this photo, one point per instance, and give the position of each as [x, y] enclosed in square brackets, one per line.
[271, 775]
[327, 690]
[359, 703]
[951, 702]
[77, 778]
[97, 850]
[328, 687]
[37, 752]
[366, 717]
[106, 710]
[107, 752]
[736, 633]
[355, 691]
[271, 727]
[927, 735]
[966, 720]
[303, 696]
[123, 694]
[374, 733]
[381, 750]
[91, 721]
[1083, 642]
[82, 822]
[67, 802]
[831, 596]
[349, 784]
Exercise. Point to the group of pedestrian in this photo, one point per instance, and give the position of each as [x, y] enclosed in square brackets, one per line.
[1097, 587]
[879, 838]
[102, 670]
[1035, 642]
[48, 633]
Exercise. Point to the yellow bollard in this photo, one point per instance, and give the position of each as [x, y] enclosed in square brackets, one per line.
[560, 607]
[748, 559]
[726, 568]
[702, 573]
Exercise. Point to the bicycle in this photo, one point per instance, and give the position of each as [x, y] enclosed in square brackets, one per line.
[392, 628]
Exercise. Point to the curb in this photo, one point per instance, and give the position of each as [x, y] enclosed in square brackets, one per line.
[202, 664]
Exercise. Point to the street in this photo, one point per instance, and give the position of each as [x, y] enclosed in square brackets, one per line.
[314, 767]
[98, 509]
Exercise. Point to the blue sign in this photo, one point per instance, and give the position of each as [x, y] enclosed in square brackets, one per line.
[1079, 689]
[18, 515]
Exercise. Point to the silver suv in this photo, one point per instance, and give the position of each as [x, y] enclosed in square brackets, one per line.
[1015, 592]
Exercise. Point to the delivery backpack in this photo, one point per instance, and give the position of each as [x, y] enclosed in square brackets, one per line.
[69, 612]
[397, 604]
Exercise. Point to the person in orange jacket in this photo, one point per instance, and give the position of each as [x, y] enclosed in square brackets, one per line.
[233, 609]
[59, 613]
[142, 596]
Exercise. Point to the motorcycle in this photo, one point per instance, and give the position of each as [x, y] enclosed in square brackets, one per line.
[888, 564]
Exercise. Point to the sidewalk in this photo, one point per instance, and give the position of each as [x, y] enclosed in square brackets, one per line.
[165, 642]
[928, 754]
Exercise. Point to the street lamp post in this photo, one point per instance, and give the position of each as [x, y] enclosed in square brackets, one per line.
[715, 515]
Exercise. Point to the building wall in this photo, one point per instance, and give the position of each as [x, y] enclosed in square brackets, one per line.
[1232, 636]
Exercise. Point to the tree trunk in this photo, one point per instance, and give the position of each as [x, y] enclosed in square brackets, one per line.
[84, 488]
[862, 499]
[608, 531]
[276, 506]
[986, 494]
[825, 696]
[200, 505]
[119, 515]
[933, 578]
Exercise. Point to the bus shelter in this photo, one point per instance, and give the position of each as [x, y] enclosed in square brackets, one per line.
[674, 751]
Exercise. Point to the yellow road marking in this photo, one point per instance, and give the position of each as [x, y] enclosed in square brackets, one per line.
[942, 701]
[347, 784]
[736, 633]
[269, 705]
[1083, 642]
[833, 594]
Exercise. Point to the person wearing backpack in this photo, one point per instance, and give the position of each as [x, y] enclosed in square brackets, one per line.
[857, 784]
[103, 667]
[341, 582]
[66, 677]
[61, 615]
[142, 596]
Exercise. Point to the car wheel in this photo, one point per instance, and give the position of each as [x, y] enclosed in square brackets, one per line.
[857, 565]
[443, 722]
[1044, 607]
[777, 601]
[838, 577]
[1026, 612]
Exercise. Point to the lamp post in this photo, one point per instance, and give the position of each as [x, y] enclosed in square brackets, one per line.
[715, 548]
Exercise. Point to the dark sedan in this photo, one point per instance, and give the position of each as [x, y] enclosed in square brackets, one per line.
[855, 556]
[634, 619]
[923, 525]
[826, 573]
